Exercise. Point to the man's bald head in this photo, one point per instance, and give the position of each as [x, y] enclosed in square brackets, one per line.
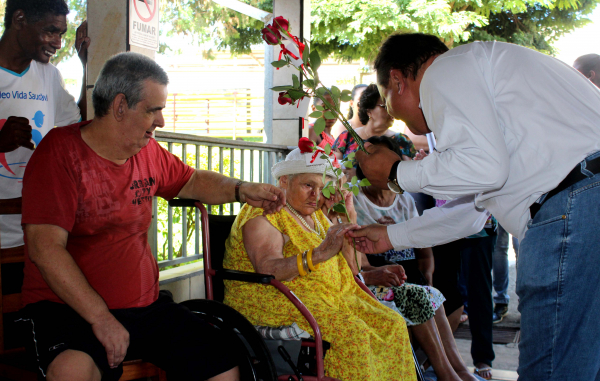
[589, 65]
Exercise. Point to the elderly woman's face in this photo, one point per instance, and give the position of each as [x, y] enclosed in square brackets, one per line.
[303, 192]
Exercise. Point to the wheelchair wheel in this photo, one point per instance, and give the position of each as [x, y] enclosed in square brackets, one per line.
[258, 364]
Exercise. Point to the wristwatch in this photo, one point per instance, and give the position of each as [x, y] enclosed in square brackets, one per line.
[393, 179]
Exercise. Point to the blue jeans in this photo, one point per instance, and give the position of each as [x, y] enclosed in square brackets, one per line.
[500, 265]
[558, 283]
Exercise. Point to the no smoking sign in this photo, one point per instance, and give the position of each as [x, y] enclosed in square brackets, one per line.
[143, 23]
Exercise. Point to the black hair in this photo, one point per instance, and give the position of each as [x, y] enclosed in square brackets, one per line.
[353, 95]
[34, 10]
[368, 101]
[586, 63]
[406, 52]
[380, 140]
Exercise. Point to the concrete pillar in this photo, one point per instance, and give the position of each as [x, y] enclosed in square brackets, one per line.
[280, 126]
[107, 27]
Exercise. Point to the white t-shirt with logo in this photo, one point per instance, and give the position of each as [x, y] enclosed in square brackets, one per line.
[37, 94]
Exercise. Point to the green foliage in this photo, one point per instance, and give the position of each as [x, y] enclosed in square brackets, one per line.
[537, 27]
[204, 21]
[353, 29]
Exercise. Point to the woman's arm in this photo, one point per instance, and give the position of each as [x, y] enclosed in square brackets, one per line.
[388, 276]
[426, 263]
[264, 245]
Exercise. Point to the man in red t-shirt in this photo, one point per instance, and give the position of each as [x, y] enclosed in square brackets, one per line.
[91, 282]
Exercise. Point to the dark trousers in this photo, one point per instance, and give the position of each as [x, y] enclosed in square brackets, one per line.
[476, 260]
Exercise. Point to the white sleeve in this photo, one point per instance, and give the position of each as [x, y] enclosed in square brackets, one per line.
[457, 219]
[66, 110]
[471, 157]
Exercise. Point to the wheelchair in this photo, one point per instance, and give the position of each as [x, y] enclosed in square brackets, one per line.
[265, 359]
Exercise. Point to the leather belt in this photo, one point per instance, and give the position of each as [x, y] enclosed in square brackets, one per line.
[573, 177]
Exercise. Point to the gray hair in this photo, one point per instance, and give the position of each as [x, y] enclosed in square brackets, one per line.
[125, 73]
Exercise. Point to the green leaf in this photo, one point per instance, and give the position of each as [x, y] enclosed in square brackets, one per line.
[319, 107]
[346, 96]
[347, 164]
[282, 88]
[315, 60]
[324, 178]
[346, 186]
[319, 126]
[326, 193]
[355, 191]
[316, 114]
[327, 149]
[309, 83]
[295, 94]
[295, 81]
[354, 180]
[351, 155]
[280, 63]
[340, 208]
[338, 172]
[335, 91]
[321, 91]
[364, 182]
[330, 115]
[324, 157]
[331, 189]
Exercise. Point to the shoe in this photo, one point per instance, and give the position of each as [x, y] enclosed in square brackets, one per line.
[500, 311]
[480, 371]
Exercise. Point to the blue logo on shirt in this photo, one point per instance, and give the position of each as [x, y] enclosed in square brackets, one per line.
[36, 135]
[38, 118]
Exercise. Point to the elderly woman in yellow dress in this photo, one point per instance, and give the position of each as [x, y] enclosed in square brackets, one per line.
[368, 341]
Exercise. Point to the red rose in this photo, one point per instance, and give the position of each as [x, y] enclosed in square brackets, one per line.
[281, 24]
[271, 35]
[284, 98]
[306, 145]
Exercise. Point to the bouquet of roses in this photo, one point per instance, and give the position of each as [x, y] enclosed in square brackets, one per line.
[307, 63]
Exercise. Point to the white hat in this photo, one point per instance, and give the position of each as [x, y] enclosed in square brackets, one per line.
[297, 162]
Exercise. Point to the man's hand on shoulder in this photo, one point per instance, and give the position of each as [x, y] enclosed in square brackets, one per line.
[113, 336]
[371, 239]
[265, 196]
[15, 133]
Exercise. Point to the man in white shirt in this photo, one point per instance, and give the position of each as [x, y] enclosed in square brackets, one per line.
[589, 65]
[32, 95]
[518, 134]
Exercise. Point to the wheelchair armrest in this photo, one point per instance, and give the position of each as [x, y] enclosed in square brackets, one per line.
[183, 202]
[244, 276]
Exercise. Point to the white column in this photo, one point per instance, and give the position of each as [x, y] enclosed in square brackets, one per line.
[107, 28]
[280, 126]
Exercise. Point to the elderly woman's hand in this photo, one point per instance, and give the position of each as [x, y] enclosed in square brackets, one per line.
[333, 242]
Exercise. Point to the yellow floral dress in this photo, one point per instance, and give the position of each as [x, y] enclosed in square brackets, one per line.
[368, 340]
